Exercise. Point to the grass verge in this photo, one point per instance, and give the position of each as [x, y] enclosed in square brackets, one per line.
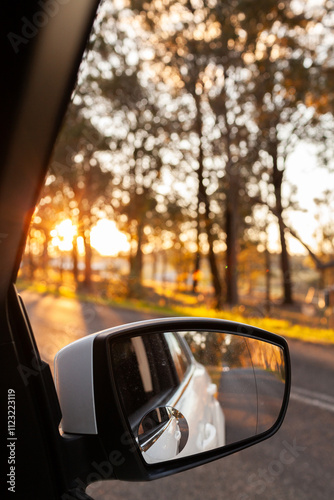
[278, 326]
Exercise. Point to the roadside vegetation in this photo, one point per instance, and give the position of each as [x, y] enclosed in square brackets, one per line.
[172, 185]
[294, 325]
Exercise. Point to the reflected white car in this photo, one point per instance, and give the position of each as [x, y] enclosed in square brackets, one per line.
[172, 405]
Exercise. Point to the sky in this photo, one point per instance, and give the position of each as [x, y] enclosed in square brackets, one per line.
[304, 172]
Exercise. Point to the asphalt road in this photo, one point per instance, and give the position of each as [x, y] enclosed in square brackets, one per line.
[251, 402]
[295, 464]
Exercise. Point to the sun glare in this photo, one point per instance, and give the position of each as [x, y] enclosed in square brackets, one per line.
[107, 239]
[63, 234]
[104, 237]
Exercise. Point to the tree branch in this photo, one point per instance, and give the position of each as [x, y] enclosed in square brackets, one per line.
[319, 264]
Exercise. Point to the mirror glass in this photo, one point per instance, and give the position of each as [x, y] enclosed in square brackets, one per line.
[185, 392]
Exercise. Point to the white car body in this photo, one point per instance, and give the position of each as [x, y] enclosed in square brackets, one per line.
[195, 400]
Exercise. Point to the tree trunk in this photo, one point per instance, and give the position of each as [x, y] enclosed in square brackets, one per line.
[75, 260]
[197, 262]
[136, 264]
[268, 280]
[154, 265]
[164, 264]
[231, 215]
[277, 179]
[45, 253]
[212, 258]
[88, 263]
[231, 219]
[203, 198]
[285, 266]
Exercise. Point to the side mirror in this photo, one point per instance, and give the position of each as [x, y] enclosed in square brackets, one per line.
[170, 394]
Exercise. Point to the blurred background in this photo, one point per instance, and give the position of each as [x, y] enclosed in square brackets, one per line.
[194, 170]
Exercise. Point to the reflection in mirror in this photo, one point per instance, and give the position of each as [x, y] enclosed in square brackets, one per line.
[187, 392]
[162, 434]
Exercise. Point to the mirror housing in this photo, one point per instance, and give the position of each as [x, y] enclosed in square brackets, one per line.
[154, 431]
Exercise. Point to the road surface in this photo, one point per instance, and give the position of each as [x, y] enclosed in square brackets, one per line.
[295, 464]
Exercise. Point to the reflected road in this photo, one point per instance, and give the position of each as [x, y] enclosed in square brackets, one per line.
[251, 401]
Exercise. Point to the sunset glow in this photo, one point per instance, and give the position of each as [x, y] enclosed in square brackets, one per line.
[104, 237]
[107, 239]
[63, 234]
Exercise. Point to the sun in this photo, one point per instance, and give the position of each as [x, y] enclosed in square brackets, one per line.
[63, 234]
[104, 237]
[107, 239]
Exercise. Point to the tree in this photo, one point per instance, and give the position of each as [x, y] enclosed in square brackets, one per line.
[131, 111]
[237, 146]
[183, 56]
[279, 57]
[49, 213]
[85, 184]
[194, 43]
